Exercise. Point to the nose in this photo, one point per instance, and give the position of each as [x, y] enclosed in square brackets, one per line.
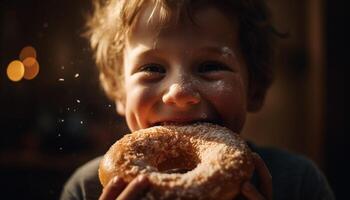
[181, 95]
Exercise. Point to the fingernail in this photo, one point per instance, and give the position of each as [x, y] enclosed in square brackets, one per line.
[141, 178]
[115, 179]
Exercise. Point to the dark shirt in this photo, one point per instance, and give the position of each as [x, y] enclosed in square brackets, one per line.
[293, 177]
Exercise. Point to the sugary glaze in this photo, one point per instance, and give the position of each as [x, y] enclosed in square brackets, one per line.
[217, 161]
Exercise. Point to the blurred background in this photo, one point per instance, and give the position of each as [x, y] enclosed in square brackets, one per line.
[55, 117]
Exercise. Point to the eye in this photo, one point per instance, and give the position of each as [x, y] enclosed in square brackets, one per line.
[212, 66]
[152, 68]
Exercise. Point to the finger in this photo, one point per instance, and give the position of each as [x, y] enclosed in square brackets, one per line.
[265, 176]
[135, 189]
[114, 187]
[250, 192]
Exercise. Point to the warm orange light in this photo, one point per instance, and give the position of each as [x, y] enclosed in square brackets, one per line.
[26, 52]
[31, 68]
[15, 70]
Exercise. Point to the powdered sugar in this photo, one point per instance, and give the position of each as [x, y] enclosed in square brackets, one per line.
[214, 152]
[227, 52]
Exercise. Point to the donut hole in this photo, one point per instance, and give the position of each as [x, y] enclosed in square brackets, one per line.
[181, 162]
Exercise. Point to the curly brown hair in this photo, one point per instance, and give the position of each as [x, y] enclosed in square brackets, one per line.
[109, 24]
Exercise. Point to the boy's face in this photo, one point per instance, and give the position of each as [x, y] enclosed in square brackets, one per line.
[185, 74]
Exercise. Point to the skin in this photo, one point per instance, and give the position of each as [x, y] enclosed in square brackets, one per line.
[169, 81]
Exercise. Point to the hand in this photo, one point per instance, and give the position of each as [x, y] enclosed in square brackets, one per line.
[265, 189]
[117, 189]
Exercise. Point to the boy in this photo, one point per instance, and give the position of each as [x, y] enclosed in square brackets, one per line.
[184, 61]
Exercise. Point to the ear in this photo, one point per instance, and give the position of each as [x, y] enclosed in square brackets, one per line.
[256, 97]
[120, 107]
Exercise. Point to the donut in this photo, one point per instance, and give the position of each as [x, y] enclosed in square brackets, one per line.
[213, 161]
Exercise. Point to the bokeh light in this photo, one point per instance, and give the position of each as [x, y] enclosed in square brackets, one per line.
[26, 52]
[15, 70]
[31, 66]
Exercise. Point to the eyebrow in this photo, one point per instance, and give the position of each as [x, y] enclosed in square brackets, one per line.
[149, 52]
[222, 50]
[217, 50]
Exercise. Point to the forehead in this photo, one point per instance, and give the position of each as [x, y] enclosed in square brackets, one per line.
[207, 24]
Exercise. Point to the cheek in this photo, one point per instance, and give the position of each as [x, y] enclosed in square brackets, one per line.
[138, 99]
[229, 100]
[229, 91]
[139, 102]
